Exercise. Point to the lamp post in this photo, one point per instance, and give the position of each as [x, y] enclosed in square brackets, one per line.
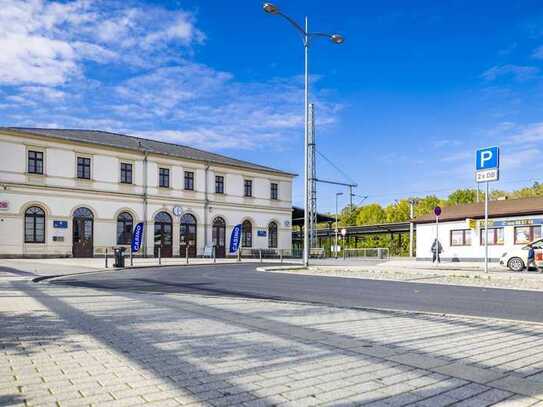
[338, 194]
[306, 35]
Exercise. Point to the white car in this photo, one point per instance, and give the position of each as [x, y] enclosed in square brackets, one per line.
[516, 258]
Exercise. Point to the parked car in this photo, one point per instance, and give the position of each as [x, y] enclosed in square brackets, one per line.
[516, 258]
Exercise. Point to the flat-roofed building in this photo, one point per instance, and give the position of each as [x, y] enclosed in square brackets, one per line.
[461, 231]
[77, 192]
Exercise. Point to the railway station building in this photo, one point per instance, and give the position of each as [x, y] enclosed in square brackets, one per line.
[67, 193]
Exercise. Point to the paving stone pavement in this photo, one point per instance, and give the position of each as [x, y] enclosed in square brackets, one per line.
[70, 346]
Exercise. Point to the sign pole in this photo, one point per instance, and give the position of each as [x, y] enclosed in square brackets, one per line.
[487, 166]
[437, 231]
[486, 229]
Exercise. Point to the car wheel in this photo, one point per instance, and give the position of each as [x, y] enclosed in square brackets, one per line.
[516, 264]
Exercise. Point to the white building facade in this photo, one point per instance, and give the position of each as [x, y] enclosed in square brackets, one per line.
[461, 229]
[78, 193]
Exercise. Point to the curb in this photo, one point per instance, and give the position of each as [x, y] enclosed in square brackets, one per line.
[43, 278]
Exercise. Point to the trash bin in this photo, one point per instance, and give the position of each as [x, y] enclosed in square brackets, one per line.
[119, 256]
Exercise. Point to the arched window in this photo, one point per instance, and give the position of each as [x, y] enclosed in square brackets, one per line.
[246, 234]
[34, 225]
[272, 235]
[83, 213]
[125, 224]
[163, 217]
[187, 235]
[163, 234]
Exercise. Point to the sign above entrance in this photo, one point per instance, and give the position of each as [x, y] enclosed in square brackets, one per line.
[60, 224]
[261, 233]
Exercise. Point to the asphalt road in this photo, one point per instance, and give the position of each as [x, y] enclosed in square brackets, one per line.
[242, 280]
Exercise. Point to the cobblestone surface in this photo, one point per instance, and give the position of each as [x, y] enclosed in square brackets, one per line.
[68, 346]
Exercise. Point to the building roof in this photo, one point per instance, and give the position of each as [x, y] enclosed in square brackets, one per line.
[298, 217]
[105, 138]
[496, 209]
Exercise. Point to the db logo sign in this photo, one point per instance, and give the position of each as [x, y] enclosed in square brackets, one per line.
[4, 205]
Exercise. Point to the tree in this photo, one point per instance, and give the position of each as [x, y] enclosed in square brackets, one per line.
[462, 196]
[370, 215]
[398, 212]
[427, 204]
[347, 216]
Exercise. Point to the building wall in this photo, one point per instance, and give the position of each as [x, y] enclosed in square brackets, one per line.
[59, 192]
[426, 233]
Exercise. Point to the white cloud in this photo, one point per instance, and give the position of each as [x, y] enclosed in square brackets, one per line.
[34, 59]
[156, 88]
[517, 72]
[46, 43]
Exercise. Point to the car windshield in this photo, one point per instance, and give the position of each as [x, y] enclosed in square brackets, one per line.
[538, 244]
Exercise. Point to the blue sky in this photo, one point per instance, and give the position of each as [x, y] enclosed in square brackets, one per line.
[401, 106]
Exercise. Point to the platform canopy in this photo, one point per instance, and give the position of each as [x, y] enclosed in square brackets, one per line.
[298, 217]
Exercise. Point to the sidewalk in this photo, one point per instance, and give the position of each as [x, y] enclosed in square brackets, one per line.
[70, 346]
[412, 271]
[62, 266]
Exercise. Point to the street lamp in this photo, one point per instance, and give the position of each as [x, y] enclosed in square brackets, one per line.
[338, 194]
[272, 9]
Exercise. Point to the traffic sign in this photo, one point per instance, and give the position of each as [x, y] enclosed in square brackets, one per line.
[487, 175]
[437, 211]
[487, 164]
[487, 158]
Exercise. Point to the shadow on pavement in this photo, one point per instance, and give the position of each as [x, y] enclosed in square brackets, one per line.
[130, 328]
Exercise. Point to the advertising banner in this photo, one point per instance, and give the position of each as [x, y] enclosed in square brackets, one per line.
[235, 239]
[137, 237]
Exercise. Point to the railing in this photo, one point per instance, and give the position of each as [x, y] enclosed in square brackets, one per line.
[381, 253]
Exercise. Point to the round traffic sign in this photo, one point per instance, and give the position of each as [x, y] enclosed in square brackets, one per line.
[437, 211]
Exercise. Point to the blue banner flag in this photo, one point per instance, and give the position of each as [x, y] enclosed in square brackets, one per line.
[137, 237]
[235, 238]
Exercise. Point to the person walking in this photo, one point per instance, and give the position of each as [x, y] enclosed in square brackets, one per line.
[531, 258]
[437, 249]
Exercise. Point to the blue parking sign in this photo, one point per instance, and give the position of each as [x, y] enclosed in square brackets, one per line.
[487, 158]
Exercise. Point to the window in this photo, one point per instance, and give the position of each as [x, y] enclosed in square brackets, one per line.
[124, 228]
[83, 167]
[164, 177]
[461, 237]
[35, 162]
[248, 188]
[189, 180]
[219, 184]
[272, 235]
[274, 191]
[246, 234]
[495, 236]
[526, 234]
[126, 173]
[34, 225]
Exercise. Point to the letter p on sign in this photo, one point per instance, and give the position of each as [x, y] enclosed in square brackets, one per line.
[487, 158]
